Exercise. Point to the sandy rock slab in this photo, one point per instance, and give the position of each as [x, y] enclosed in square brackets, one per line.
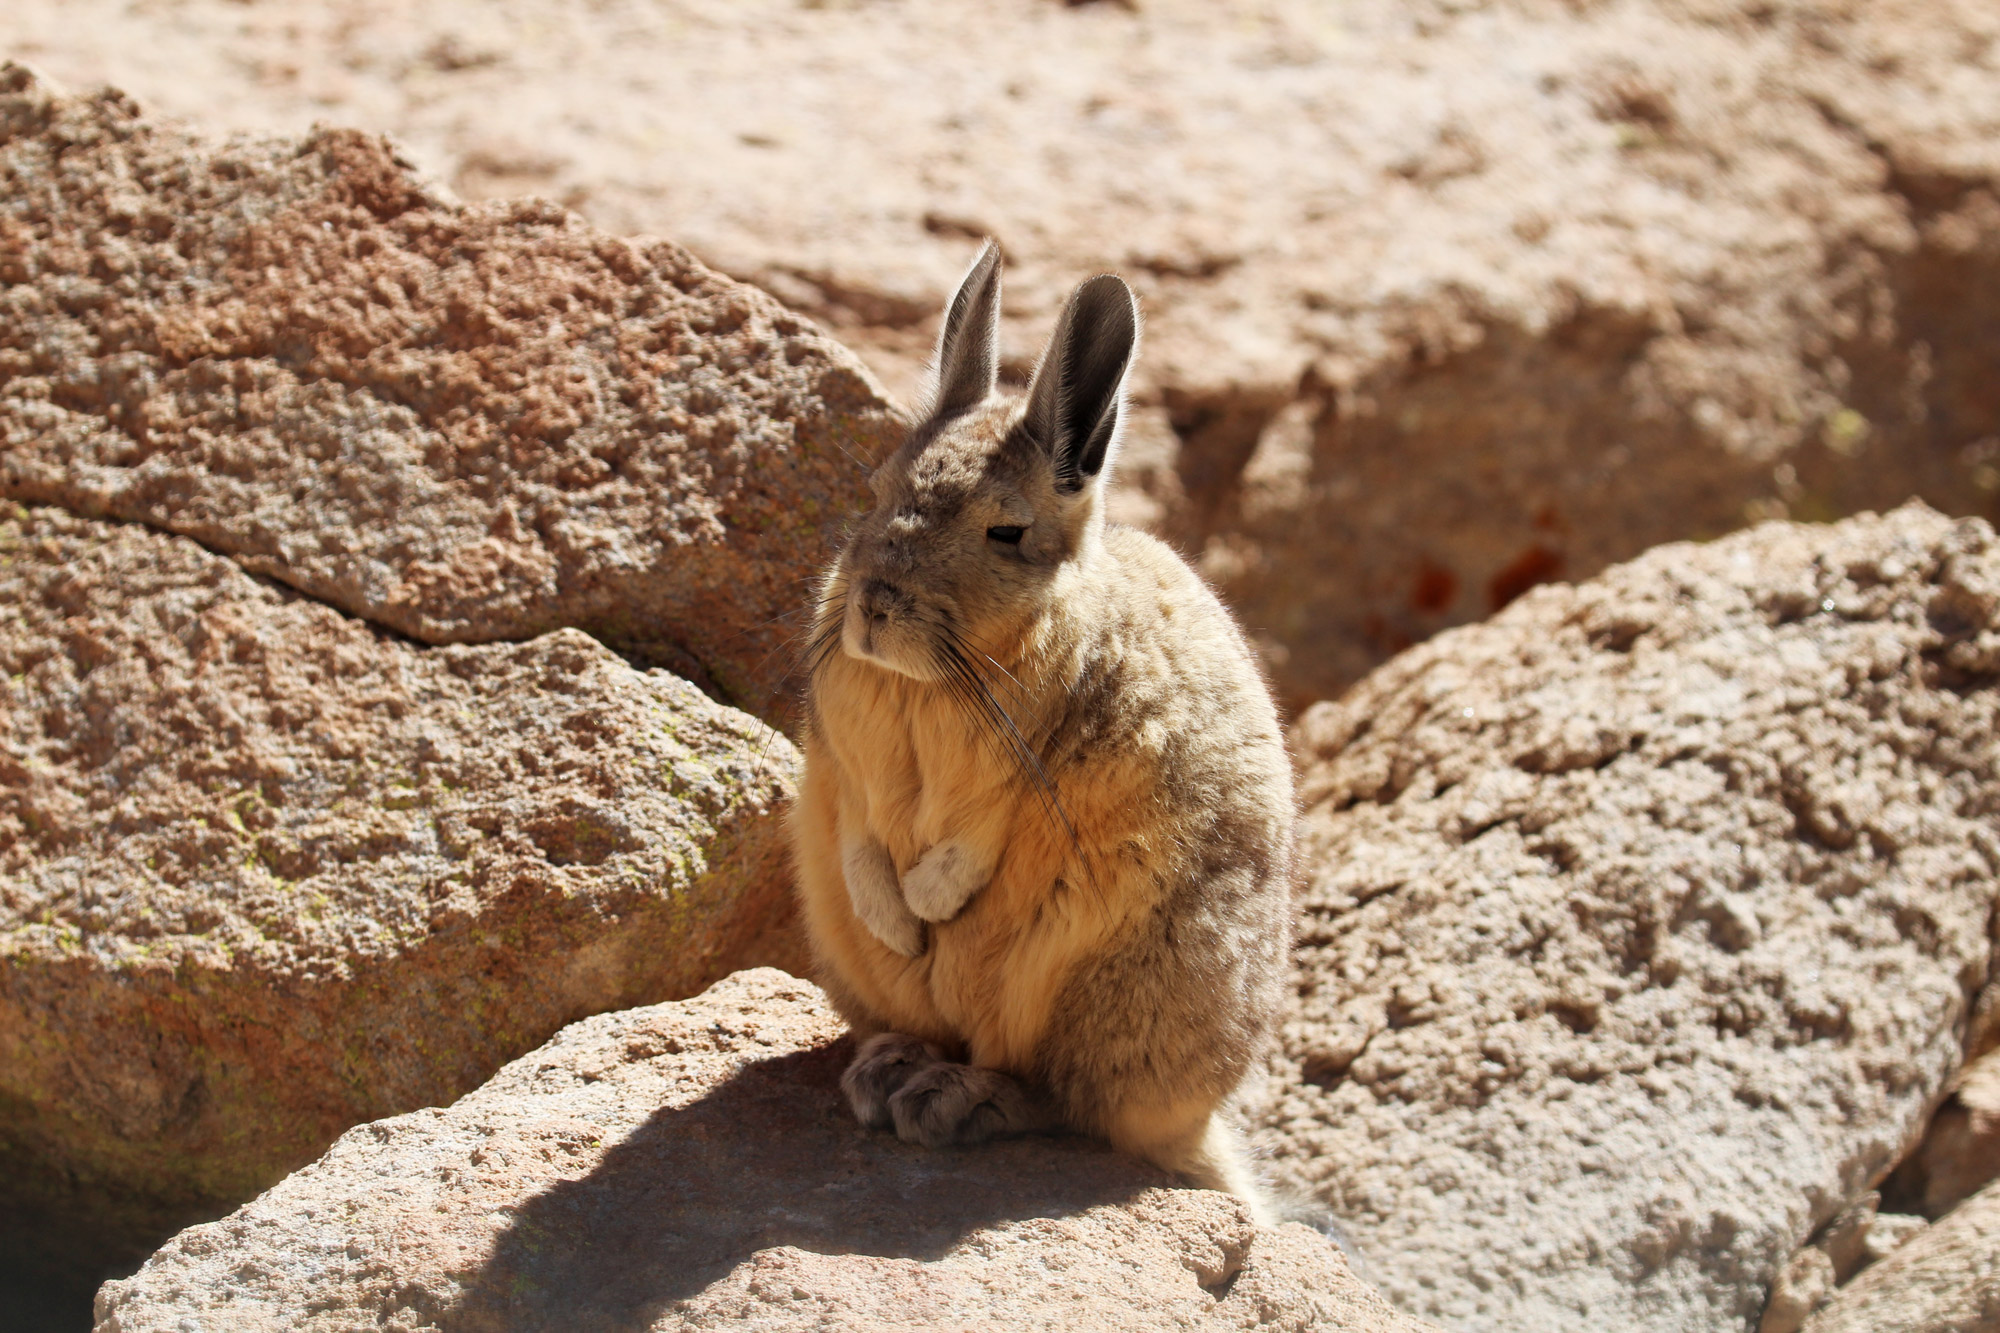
[1646, 922]
[267, 872]
[1442, 298]
[466, 424]
[691, 1166]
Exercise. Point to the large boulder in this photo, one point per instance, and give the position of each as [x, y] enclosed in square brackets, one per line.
[466, 424]
[1443, 297]
[692, 1166]
[1643, 924]
[267, 871]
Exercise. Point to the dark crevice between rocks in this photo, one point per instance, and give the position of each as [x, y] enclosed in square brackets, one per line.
[1922, 415]
[387, 633]
[32, 1301]
[1948, 1142]
[642, 653]
[1519, 433]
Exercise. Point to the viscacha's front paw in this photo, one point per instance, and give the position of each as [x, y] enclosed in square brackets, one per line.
[878, 900]
[944, 878]
[897, 927]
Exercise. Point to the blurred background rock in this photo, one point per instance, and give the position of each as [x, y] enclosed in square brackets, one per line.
[1445, 298]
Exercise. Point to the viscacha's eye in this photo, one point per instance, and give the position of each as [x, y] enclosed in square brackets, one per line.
[1006, 533]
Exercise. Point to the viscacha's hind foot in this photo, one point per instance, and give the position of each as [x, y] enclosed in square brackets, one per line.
[884, 1063]
[947, 1103]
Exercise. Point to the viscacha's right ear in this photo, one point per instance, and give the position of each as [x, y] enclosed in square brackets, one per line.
[968, 350]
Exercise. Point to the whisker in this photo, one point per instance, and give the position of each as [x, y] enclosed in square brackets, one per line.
[764, 755]
[1026, 700]
[1020, 691]
[966, 684]
[789, 644]
[752, 628]
[851, 455]
[969, 687]
[983, 696]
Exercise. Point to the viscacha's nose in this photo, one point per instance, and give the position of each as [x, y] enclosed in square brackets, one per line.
[878, 599]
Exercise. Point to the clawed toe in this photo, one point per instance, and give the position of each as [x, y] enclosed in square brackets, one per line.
[884, 1064]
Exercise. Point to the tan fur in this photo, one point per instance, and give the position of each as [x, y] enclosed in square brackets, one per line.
[1124, 970]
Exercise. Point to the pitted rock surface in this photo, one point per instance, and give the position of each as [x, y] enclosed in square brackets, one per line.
[1643, 923]
[267, 871]
[1443, 297]
[466, 424]
[691, 1166]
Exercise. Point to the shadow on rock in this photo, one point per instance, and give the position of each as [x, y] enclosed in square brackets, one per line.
[769, 1158]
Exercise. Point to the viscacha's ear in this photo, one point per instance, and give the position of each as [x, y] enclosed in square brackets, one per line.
[1078, 397]
[968, 350]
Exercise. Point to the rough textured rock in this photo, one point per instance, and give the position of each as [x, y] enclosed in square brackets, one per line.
[466, 424]
[267, 872]
[1642, 922]
[1858, 1235]
[1444, 296]
[1801, 1287]
[691, 1166]
[1845, 1238]
[1888, 1233]
[1960, 1153]
[1945, 1280]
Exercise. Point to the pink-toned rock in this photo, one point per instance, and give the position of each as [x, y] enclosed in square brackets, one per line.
[1444, 297]
[267, 871]
[692, 1166]
[1643, 923]
[466, 424]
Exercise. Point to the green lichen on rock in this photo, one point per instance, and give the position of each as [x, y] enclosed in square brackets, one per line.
[266, 872]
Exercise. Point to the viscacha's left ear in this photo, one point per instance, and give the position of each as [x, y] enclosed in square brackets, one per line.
[1077, 400]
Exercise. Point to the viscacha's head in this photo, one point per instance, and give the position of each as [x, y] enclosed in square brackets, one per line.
[989, 498]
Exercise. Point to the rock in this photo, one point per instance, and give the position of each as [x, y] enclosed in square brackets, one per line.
[1960, 1153]
[267, 872]
[466, 424]
[1888, 1233]
[1642, 922]
[1443, 299]
[692, 1166]
[1945, 1280]
[1845, 1239]
[1802, 1286]
[1858, 1235]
